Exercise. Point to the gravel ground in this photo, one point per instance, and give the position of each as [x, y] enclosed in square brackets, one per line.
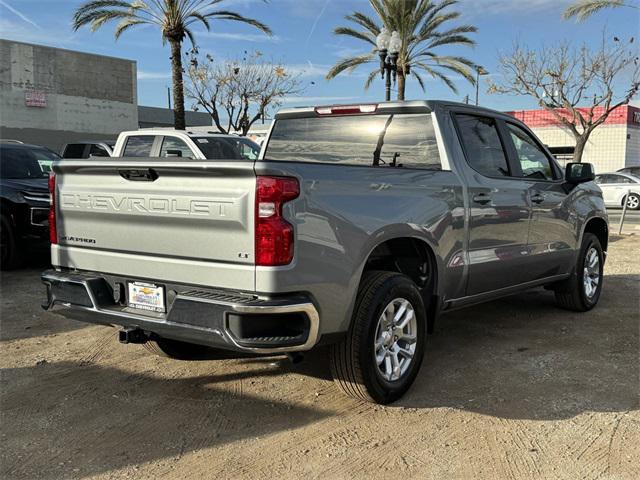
[512, 389]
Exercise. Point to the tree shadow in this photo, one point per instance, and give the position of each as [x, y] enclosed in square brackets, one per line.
[522, 357]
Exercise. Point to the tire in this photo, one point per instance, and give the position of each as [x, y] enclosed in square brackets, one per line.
[10, 254]
[576, 294]
[355, 364]
[633, 201]
[177, 350]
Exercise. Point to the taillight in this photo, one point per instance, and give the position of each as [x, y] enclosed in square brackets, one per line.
[53, 231]
[274, 235]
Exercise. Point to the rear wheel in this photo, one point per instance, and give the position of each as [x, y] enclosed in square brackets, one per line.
[381, 355]
[633, 201]
[10, 257]
[177, 350]
[581, 291]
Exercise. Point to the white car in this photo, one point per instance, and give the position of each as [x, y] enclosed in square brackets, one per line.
[618, 186]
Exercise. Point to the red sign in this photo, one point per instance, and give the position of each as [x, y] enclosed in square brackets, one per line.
[35, 98]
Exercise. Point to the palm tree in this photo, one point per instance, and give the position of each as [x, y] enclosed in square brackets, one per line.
[583, 9]
[419, 24]
[175, 19]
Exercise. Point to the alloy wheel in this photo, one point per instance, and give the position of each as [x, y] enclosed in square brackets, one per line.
[395, 339]
[591, 276]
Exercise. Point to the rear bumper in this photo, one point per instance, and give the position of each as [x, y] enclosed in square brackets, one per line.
[219, 319]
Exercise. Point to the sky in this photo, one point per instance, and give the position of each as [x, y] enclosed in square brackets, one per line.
[303, 41]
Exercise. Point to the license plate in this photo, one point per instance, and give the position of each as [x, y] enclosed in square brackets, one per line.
[146, 296]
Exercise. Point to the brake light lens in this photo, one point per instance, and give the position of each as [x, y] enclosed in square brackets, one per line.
[53, 230]
[347, 109]
[274, 235]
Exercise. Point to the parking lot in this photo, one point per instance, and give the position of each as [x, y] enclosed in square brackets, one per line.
[511, 389]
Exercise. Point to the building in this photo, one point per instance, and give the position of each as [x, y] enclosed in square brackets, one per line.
[50, 96]
[613, 145]
[154, 117]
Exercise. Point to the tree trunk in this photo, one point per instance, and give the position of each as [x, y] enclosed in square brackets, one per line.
[401, 85]
[581, 142]
[178, 87]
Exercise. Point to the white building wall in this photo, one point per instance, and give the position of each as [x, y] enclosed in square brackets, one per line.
[607, 149]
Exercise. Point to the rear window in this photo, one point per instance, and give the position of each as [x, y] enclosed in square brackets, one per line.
[228, 148]
[406, 140]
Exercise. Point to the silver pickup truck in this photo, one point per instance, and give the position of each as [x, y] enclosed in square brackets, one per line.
[356, 227]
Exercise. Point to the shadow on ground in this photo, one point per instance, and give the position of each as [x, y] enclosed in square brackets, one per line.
[517, 358]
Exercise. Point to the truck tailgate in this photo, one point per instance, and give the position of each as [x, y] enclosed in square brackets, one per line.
[180, 221]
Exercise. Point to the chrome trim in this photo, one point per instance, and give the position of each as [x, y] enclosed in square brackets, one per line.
[31, 216]
[305, 307]
[46, 199]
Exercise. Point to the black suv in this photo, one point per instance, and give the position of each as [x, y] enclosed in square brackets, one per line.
[24, 200]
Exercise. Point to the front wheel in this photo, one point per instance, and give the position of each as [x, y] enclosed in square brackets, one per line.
[633, 201]
[581, 291]
[382, 352]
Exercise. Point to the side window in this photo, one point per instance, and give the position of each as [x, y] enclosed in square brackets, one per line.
[620, 179]
[482, 145]
[74, 150]
[533, 161]
[174, 147]
[138, 146]
[98, 151]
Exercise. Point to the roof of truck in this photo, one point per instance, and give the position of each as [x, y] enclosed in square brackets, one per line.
[188, 131]
[424, 105]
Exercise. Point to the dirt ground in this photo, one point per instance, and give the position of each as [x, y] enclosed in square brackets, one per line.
[511, 389]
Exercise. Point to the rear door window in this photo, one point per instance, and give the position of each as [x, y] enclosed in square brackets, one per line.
[401, 140]
[138, 146]
[620, 179]
[218, 148]
[482, 146]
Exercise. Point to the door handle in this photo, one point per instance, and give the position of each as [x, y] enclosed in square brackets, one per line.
[537, 198]
[139, 174]
[482, 198]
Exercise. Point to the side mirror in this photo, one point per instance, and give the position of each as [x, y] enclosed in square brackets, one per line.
[173, 153]
[579, 173]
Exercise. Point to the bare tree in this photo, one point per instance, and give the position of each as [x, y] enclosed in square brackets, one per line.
[241, 91]
[578, 86]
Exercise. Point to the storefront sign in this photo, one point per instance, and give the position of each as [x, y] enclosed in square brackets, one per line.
[35, 98]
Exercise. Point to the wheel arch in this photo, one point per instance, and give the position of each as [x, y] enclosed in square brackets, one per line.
[413, 257]
[598, 227]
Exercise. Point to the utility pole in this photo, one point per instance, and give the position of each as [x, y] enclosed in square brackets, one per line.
[169, 97]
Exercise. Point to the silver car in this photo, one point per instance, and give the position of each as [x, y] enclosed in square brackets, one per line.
[618, 186]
